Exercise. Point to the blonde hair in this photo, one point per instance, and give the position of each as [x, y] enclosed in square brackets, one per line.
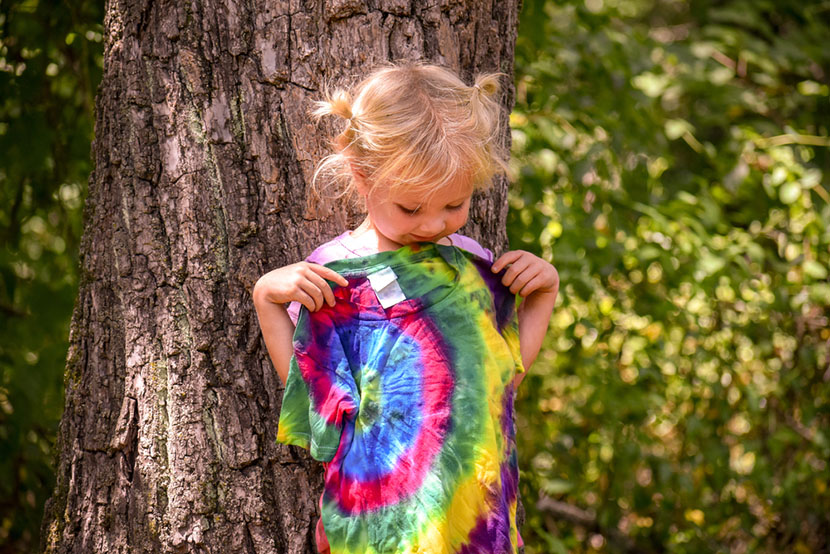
[415, 127]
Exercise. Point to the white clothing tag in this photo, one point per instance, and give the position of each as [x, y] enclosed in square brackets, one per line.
[387, 289]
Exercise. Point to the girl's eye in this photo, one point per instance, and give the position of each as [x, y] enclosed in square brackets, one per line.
[455, 208]
[407, 210]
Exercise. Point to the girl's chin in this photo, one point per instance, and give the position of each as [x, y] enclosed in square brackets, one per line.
[433, 238]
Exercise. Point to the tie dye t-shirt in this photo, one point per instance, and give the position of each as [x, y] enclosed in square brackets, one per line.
[411, 405]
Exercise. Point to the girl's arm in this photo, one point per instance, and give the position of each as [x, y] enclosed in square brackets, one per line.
[534, 315]
[303, 282]
[537, 282]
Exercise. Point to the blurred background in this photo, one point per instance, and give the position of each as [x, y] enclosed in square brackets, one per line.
[50, 65]
[669, 157]
[672, 160]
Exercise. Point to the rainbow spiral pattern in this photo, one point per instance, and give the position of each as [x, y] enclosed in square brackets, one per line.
[411, 406]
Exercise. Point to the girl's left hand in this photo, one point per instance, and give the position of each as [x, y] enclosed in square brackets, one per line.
[527, 273]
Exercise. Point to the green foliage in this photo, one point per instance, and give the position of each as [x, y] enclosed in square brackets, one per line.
[50, 64]
[671, 159]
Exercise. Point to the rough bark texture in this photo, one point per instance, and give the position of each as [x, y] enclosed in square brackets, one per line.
[203, 156]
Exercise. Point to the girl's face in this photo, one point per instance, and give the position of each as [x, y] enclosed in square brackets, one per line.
[408, 217]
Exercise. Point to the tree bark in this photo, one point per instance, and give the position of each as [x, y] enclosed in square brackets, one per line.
[203, 155]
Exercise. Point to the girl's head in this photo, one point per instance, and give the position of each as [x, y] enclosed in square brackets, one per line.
[415, 129]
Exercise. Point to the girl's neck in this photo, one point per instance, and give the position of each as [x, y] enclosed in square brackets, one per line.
[366, 236]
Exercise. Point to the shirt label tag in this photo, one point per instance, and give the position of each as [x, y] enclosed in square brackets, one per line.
[386, 287]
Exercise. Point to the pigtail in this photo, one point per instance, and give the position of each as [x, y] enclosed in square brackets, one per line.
[486, 113]
[338, 103]
[334, 168]
[488, 84]
[483, 104]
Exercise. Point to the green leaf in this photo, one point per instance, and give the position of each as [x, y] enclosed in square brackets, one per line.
[556, 487]
[815, 269]
[676, 128]
[789, 192]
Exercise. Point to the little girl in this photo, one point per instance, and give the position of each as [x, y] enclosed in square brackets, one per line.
[402, 369]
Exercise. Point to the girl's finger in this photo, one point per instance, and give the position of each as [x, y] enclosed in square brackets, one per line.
[506, 259]
[314, 292]
[516, 268]
[330, 274]
[305, 300]
[532, 277]
[532, 285]
[323, 286]
[520, 281]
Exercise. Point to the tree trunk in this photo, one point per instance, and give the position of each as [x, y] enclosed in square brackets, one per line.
[203, 154]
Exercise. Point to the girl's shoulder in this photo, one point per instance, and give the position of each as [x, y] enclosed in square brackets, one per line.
[340, 247]
[471, 245]
[344, 246]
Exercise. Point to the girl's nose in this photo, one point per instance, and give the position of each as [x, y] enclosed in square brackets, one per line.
[431, 227]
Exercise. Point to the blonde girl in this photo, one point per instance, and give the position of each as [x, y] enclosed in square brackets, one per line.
[406, 347]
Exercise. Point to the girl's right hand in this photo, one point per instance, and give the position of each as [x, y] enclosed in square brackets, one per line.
[302, 282]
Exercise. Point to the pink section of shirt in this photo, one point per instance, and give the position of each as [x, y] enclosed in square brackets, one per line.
[343, 247]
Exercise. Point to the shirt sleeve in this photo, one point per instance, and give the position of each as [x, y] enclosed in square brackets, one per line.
[507, 318]
[510, 333]
[294, 311]
[320, 393]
